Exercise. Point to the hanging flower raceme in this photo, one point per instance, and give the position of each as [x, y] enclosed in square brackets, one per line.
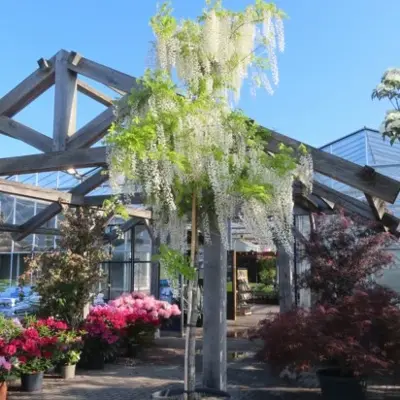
[181, 132]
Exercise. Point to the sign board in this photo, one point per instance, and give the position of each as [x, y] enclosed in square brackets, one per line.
[242, 275]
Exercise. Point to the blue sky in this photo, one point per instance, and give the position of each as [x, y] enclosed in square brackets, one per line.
[336, 52]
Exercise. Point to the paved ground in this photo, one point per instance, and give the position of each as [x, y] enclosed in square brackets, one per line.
[247, 380]
[162, 366]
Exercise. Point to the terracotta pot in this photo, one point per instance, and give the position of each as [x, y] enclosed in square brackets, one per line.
[3, 390]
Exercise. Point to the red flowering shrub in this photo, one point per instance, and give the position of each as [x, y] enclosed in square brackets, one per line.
[360, 334]
[103, 327]
[343, 253]
[9, 330]
[35, 350]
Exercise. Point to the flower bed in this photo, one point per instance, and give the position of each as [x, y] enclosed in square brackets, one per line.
[127, 322]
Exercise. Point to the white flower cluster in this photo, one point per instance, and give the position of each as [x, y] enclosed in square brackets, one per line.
[221, 48]
[389, 88]
[224, 47]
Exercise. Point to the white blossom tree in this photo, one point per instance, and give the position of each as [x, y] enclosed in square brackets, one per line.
[195, 155]
[389, 89]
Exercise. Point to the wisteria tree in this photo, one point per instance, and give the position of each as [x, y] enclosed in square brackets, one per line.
[343, 253]
[197, 158]
[389, 89]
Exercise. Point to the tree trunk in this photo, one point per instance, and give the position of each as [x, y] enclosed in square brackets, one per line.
[192, 314]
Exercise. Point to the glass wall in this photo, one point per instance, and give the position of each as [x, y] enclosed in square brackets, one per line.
[367, 147]
[129, 268]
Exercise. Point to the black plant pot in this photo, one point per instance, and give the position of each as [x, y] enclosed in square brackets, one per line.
[335, 386]
[133, 350]
[32, 382]
[172, 394]
[94, 361]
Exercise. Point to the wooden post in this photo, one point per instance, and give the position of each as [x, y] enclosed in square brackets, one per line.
[155, 268]
[285, 269]
[214, 325]
[65, 96]
[234, 283]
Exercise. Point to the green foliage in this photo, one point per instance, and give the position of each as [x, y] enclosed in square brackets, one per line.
[69, 276]
[115, 206]
[35, 365]
[8, 328]
[267, 271]
[70, 346]
[175, 264]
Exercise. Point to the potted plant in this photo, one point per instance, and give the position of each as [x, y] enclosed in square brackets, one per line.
[35, 353]
[347, 343]
[8, 367]
[70, 344]
[143, 315]
[102, 338]
[68, 363]
[9, 330]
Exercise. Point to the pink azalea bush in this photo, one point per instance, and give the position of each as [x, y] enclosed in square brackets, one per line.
[130, 319]
[143, 315]
[139, 307]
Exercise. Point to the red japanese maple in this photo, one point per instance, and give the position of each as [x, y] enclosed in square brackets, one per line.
[343, 253]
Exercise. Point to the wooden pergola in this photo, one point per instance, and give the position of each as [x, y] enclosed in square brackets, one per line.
[71, 148]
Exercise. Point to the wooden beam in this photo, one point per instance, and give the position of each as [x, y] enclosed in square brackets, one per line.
[11, 228]
[327, 164]
[299, 236]
[37, 221]
[93, 131]
[44, 64]
[305, 202]
[343, 200]
[98, 200]
[39, 193]
[27, 91]
[353, 205]
[54, 161]
[53, 209]
[339, 169]
[106, 75]
[377, 205]
[140, 213]
[94, 94]
[16, 130]
[91, 183]
[97, 128]
[64, 125]
[114, 234]
[330, 204]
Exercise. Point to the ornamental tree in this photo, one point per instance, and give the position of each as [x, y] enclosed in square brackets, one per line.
[68, 277]
[182, 138]
[343, 254]
[389, 89]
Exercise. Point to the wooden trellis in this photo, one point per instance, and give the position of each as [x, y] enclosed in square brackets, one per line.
[71, 148]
